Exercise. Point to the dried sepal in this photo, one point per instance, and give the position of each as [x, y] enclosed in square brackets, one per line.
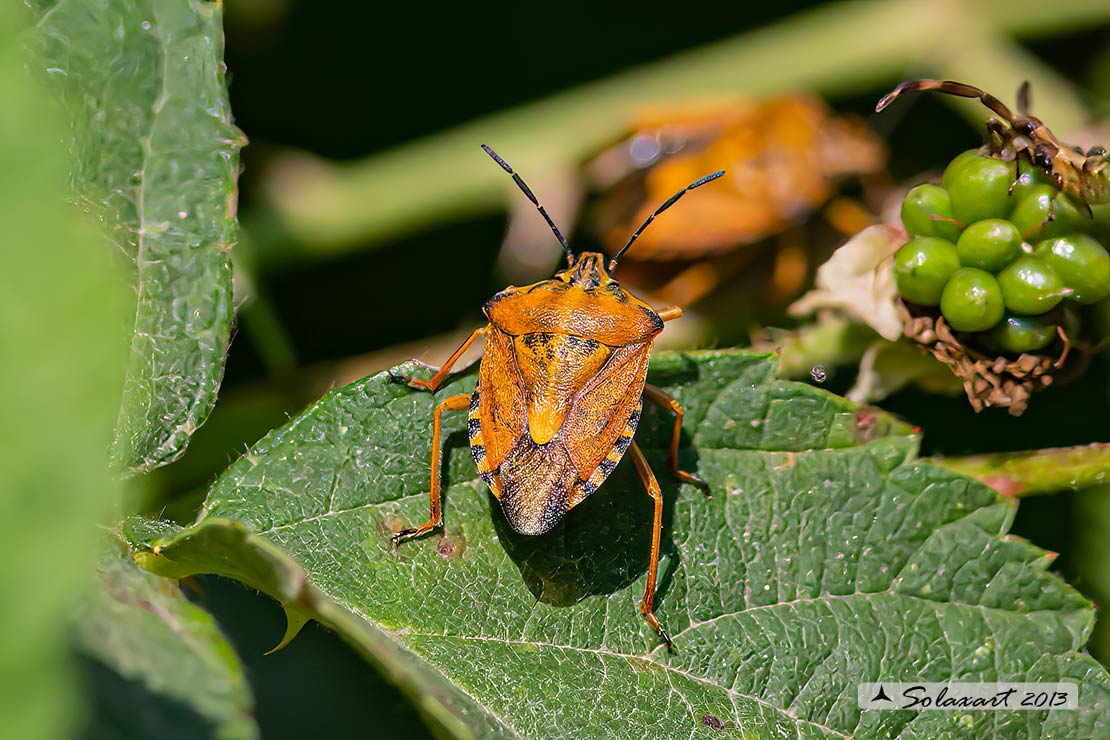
[989, 382]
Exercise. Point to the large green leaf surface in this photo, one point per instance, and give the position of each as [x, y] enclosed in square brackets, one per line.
[160, 667]
[825, 555]
[155, 157]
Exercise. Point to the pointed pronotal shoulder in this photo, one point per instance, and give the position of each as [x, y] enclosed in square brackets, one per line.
[582, 300]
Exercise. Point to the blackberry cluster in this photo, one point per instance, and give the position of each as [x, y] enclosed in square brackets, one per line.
[1001, 252]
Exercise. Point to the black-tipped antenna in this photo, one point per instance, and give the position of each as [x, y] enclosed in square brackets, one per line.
[670, 202]
[528, 191]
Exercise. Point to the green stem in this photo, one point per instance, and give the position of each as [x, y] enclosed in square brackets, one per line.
[316, 209]
[1036, 472]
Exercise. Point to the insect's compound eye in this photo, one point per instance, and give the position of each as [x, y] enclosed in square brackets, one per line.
[1026, 127]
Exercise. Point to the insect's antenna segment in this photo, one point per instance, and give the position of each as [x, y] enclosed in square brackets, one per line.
[670, 202]
[528, 192]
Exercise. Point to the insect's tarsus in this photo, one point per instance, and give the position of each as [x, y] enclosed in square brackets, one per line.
[669, 202]
[531, 196]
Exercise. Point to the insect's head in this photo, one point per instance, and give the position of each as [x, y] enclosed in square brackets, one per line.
[587, 271]
[588, 268]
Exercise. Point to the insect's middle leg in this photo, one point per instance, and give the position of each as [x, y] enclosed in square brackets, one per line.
[435, 518]
[652, 486]
[441, 374]
[661, 397]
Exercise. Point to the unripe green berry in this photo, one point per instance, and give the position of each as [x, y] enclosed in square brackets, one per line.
[957, 162]
[920, 206]
[1082, 264]
[972, 300]
[1030, 286]
[921, 268]
[1023, 334]
[980, 188]
[1044, 212]
[990, 244]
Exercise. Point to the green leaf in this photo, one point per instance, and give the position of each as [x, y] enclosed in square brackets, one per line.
[825, 556]
[61, 360]
[161, 666]
[155, 157]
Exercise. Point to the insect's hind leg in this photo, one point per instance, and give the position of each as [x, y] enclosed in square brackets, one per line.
[652, 486]
[457, 402]
[661, 397]
[444, 370]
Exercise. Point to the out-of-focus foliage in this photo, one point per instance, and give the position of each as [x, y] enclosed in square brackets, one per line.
[158, 664]
[62, 312]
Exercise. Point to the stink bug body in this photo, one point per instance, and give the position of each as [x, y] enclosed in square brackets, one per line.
[1085, 175]
[560, 389]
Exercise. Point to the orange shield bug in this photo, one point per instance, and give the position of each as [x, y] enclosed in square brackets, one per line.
[1085, 175]
[560, 388]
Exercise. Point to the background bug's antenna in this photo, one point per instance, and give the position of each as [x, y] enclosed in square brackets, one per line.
[528, 192]
[670, 202]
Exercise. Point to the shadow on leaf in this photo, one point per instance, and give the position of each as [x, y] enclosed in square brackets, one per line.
[600, 547]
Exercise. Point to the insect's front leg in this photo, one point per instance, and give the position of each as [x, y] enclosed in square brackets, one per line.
[445, 369]
[666, 400]
[457, 402]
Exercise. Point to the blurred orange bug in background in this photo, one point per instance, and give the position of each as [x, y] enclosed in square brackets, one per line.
[785, 158]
